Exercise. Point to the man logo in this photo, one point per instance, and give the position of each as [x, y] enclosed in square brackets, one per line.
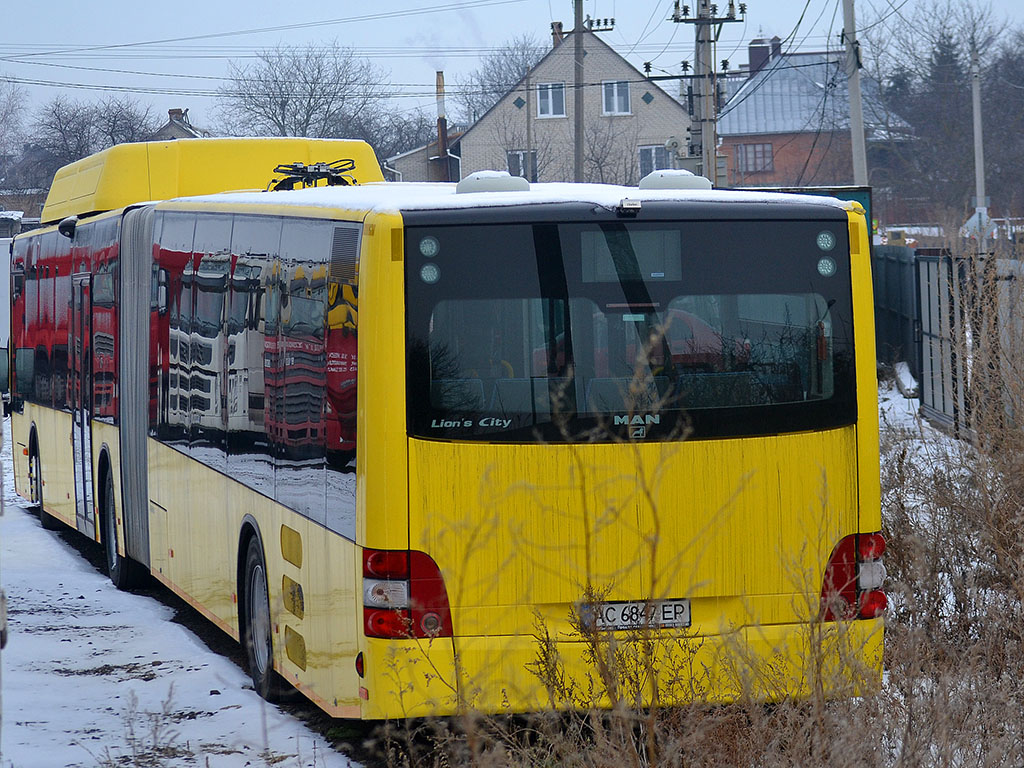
[637, 433]
[636, 420]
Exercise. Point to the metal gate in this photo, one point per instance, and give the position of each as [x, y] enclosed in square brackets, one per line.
[940, 280]
[897, 309]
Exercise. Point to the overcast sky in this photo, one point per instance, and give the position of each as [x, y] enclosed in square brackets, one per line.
[48, 50]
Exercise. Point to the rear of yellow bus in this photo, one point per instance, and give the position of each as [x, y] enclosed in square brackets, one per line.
[633, 458]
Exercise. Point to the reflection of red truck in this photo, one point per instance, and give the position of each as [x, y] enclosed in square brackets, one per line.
[295, 365]
[341, 373]
[104, 333]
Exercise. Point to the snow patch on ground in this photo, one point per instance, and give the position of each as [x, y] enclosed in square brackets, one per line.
[905, 381]
[83, 656]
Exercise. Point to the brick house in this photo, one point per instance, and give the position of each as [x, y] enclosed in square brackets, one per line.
[425, 163]
[786, 122]
[529, 131]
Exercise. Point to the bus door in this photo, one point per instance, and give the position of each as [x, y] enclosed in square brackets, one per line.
[81, 403]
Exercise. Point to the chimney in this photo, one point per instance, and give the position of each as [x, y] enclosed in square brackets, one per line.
[757, 53]
[176, 115]
[556, 33]
[776, 47]
[442, 129]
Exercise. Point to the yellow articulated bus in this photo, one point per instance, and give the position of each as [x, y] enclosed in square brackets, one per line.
[429, 448]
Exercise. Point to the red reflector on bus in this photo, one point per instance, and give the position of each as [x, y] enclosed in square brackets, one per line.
[389, 623]
[359, 664]
[386, 564]
[871, 546]
[873, 604]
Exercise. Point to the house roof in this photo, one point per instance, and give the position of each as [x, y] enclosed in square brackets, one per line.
[798, 93]
[453, 137]
[178, 126]
[589, 36]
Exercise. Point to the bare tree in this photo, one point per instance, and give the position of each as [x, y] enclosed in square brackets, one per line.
[923, 151]
[122, 120]
[397, 133]
[12, 112]
[610, 152]
[64, 130]
[497, 74]
[318, 91]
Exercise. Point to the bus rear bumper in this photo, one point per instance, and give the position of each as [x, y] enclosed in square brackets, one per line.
[514, 674]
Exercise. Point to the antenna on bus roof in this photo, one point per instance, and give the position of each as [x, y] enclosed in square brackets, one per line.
[302, 175]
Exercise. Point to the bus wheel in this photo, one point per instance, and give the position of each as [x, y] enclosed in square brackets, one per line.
[122, 570]
[35, 480]
[257, 637]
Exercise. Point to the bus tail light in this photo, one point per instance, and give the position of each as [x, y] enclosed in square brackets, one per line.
[854, 575]
[404, 595]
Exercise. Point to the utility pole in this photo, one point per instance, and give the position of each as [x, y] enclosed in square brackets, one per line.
[980, 204]
[531, 100]
[590, 25]
[853, 65]
[577, 44]
[704, 127]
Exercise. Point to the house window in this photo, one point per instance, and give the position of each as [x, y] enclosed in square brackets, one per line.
[616, 97]
[517, 163]
[754, 158]
[653, 158]
[551, 100]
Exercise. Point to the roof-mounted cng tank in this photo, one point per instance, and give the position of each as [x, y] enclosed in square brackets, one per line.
[492, 181]
[673, 179]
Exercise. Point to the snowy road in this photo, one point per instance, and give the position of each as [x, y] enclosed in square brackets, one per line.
[92, 675]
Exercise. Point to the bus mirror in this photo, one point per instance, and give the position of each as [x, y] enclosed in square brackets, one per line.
[67, 227]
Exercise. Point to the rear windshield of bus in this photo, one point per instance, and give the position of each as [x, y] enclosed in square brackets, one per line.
[557, 332]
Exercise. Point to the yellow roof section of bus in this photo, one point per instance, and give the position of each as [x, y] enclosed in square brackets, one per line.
[159, 170]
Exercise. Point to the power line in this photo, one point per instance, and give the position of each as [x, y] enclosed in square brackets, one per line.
[427, 89]
[20, 53]
[469, 4]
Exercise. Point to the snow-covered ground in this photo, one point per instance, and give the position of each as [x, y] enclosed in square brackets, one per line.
[91, 675]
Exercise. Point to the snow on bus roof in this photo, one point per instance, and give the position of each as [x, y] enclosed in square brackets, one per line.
[394, 197]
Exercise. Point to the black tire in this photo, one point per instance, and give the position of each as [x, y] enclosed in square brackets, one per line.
[35, 481]
[123, 571]
[257, 637]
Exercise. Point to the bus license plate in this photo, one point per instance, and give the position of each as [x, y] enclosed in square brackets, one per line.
[640, 614]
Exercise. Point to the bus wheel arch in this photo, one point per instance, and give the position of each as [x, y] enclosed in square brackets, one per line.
[35, 478]
[123, 571]
[254, 618]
